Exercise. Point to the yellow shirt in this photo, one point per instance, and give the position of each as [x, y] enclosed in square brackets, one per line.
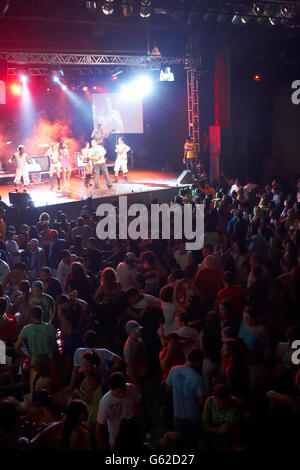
[191, 149]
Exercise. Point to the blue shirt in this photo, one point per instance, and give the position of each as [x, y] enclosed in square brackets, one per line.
[187, 385]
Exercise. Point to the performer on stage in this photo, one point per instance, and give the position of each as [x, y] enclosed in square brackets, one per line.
[121, 161]
[55, 164]
[109, 118]
[85, 155]
[65, 164]
[97, 154]
[22, 160]
[190, 156]
[98, 134]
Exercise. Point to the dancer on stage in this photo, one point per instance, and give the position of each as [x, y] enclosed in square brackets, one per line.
[97, 155]
[22, 160]
[121, 161]
[55, 164]
[65, 164]
[190, 157]
[85, 154]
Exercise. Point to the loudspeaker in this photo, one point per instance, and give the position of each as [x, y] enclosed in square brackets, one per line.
[19, 200]
[186, 177]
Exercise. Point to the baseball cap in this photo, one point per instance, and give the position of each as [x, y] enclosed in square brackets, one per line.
[132, 326]
[38, 285]
[130, 256]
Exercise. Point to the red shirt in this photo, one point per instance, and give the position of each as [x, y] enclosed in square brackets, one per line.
[208, 283]
[8, 328]
[235, 294]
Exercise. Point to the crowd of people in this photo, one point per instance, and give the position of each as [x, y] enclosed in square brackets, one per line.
[138, 344]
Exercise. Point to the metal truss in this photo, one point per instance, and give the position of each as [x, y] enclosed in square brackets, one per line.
[193, 106]
[30, 58]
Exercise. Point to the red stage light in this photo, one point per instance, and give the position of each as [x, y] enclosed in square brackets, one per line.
[114, 77]
[256, 78]
[16, 89]
[94, 87]
[48, 89]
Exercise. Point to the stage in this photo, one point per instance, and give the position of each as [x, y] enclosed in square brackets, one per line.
[142, 186]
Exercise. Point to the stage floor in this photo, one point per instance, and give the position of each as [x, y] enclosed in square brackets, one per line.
[138, 181]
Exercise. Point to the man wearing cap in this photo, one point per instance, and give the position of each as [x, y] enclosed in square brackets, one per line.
[187, 387]
[128, 270]
[220, 416]
[135, 355]
[43, 300]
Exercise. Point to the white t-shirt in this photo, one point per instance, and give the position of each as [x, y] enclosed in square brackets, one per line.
[105, 355]
[21, 161]
[181, 259]
[122, 150]
[169, 310]
[113, 410]
[127, 275]
[98, 153]
[62, 273]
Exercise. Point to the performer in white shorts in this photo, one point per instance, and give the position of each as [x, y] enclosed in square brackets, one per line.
[22, 160]
[55, 164]
[121, 161]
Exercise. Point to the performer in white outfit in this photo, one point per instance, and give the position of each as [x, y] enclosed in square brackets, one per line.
[121, 161]
[55, 164]
[85, 155]
[22, 160]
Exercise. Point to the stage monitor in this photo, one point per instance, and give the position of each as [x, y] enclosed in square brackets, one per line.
[116, 115]
[39, 163]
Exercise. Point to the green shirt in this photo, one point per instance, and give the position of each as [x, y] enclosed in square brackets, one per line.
[39, 339]
[213, 415]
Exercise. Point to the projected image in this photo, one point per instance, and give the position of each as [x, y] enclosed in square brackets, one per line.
[39, 163]
[166, 75]
[116, 115]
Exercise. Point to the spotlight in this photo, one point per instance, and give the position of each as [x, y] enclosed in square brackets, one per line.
[256, 78]
[244, 19]
[56, 79]
[16, 89]
[236, 19]
[140, 87]
[64, 87]
[48, 89]
[107, 7]
[273, 21]
[91, 5]
[23, 78]
[256, 9]
[127, 8]
[85, 88]
[145, 11]
[94, 87]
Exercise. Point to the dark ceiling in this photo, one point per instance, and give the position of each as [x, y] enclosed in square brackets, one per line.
[176, 27]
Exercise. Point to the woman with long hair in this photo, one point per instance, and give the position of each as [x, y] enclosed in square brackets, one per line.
[65, 164]
[79, 281]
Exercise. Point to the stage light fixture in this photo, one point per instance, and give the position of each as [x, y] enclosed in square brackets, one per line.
[94, 87]
[107, 7]
[127, 8]
[16, 89]
[256, 78]
[145, 11]
[64, 87]
[91, 5]
[140, 87]
[56, 79]
[236, 19]
[273, 21]
[255, 9]
[85, 88]
[244, 19]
